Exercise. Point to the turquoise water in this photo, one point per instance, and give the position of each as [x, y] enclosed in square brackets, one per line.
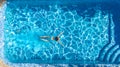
[85, 33]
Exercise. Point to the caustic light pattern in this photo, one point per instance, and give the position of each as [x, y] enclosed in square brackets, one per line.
[83, 35]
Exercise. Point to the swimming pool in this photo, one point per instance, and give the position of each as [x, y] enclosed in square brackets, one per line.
[89, 34]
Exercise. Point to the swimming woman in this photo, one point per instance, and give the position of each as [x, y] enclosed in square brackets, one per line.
[48, 38]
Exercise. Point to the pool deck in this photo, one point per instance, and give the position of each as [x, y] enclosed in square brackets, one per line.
[2, 63]
[2, 2]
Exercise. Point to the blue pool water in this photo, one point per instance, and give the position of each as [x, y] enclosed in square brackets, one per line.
[90, 32]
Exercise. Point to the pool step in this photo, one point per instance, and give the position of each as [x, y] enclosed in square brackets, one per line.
[115, 55]
[109, 52]
[104, 51]
[117, 60]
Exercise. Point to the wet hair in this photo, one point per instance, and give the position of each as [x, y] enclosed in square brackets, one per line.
[56, 38]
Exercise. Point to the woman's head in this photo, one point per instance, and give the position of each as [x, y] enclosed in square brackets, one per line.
[56, 38]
